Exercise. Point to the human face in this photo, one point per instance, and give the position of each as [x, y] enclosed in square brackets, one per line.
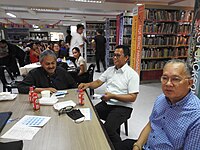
[75, 53]
[56, 47]
[119, 59]
[49, 64]
[35, 46]
[175, 82]
[80, 30]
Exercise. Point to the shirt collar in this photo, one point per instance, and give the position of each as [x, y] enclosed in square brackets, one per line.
[123, 68]
[182, 101]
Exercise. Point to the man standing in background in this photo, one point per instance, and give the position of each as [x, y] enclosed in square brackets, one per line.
[77, 40]
[100, 44]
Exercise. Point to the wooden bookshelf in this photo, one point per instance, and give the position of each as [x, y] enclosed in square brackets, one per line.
[166, 35]
[91, 28]
[110, 40]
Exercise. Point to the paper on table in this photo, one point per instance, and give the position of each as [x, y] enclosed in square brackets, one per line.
[64, 104]
[86, 112]
[7, 96]
[97, 96]
[33, 121]
[21, 133]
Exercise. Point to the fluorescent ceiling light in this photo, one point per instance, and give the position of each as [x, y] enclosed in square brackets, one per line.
[89, 1]
[35, 26]
[11, 15]
[139, 4]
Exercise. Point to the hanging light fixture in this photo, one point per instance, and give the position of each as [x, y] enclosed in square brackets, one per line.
[11, 15]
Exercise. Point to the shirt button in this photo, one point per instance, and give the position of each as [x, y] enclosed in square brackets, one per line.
[162, 128]
[163, 117]
[153, 136]
[170, 106]
[148, 146]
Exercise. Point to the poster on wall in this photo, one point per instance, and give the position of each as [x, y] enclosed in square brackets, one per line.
[136, 41]
[194, 49]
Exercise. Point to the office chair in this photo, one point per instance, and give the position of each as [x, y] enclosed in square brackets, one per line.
[7, 85]
[126, 128]
[90, 72]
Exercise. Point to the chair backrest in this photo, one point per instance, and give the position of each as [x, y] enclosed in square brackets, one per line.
[90, 72]
[2, 75]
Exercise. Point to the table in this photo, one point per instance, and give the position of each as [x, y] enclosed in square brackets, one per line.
[60, 133]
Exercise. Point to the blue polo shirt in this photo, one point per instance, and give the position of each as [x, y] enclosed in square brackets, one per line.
[175, 126]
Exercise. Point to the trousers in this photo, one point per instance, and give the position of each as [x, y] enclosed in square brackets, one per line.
[114, 116]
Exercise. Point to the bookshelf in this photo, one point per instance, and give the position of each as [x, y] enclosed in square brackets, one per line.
[166, 35]
[125, 29]
[39, 36]
[110, 40]
[15, 35]
[91, 28]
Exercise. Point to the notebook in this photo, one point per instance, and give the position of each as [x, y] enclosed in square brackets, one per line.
[4, 116]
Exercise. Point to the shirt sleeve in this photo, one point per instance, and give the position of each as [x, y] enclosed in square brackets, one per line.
[81, 61]
[104, 75]
[193, 137]
[133, 84]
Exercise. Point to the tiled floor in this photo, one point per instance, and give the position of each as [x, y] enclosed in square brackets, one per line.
[142, 106]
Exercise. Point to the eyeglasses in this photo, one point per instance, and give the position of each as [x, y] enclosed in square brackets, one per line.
[173, 80]
[116, 55]
[65, 110]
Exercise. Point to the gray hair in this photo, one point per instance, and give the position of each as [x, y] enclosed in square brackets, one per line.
[47, 53]
[187, 67]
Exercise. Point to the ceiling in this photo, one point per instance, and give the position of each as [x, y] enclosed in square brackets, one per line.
[68, 12]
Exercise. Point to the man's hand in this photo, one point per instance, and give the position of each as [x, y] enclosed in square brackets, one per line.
[83, 86]
[39, 90]
[107, 96]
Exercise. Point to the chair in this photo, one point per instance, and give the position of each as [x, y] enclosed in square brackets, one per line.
[7, 85]
[126, 128]
[90, 73]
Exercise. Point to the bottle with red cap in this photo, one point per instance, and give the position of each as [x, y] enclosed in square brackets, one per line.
[81, 97]
[36, 104]
[30, 95]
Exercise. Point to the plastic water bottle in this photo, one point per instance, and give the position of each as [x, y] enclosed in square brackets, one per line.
[36, 104]
[81, 97]
[30, 95]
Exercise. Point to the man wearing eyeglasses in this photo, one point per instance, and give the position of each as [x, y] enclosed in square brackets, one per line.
[122, 87]
[174, 123]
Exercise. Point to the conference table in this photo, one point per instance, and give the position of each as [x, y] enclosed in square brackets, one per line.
[60, 132]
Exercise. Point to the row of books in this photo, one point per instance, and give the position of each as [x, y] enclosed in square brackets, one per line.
[164, 52]
[169, 15]
[112, 32]
[111, 48]
[156, 64]
[91, 33]
[112, 23]
[127, 40]
[127, 30]
[166, 40]
[112, 39]
[166, 28]
[128, 20]
[95, 26]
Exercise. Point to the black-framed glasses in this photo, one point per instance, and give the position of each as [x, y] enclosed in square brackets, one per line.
[117, 55]
[65, 110]
[173, 80]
